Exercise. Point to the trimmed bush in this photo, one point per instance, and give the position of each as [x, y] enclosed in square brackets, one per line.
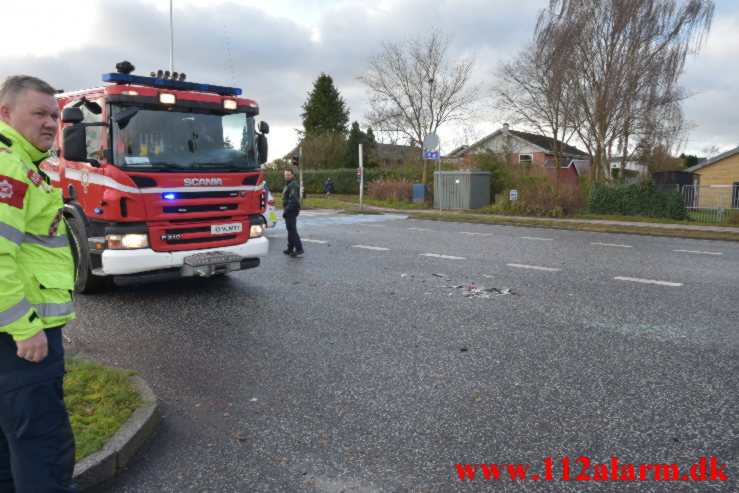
[345, 180]
[640, 199]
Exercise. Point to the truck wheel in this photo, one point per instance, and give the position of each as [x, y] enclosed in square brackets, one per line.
[84, 280]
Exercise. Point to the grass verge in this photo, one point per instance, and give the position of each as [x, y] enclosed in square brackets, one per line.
[99, 400]
[368, 212]
[343, 201]
[649, 220]
[706, 235]
[317, 203]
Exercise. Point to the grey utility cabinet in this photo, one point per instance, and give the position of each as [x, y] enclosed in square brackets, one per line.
[462, 189]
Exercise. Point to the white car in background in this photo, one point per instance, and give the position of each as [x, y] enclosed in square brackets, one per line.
[270, 214]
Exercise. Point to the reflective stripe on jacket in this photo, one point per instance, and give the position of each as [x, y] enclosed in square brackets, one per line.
[36, 265]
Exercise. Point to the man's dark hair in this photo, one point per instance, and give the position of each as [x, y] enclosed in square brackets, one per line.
[14, 85]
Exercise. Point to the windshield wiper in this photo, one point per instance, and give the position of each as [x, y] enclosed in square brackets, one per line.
[168, 167]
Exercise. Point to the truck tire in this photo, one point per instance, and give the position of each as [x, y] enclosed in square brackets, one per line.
[84, 280]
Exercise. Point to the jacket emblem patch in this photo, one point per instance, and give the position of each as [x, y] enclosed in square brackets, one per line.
[35, 177]
[12, 191]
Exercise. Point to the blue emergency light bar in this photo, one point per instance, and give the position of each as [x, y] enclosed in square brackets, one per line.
[170, 84]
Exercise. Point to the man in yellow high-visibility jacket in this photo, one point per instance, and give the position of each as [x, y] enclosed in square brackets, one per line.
[36, 282]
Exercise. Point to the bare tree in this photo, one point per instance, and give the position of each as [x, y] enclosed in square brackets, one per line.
[413, 89]
[607, 70]
[532, 89]
[629, 55]
[323, 150]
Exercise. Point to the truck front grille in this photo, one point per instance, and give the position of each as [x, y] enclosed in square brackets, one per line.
[183, 209]
[209, 239]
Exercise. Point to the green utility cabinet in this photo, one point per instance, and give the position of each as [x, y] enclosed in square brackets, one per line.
[462, 189]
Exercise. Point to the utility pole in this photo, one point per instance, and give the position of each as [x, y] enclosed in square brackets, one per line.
[300, 170]
[171, 40]
[361, 179]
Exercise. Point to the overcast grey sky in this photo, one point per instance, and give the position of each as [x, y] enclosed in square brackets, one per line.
[275, 50]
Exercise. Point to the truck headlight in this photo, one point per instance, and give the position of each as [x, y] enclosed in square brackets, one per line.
[256, 230]
[127, 241]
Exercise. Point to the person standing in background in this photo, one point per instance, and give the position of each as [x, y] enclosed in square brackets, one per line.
[329, 186]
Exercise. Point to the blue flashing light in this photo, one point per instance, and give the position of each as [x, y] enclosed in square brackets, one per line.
[169, 196]
[98, 211]
[170, 84]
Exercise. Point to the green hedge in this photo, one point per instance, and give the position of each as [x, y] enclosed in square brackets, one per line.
[345, 180]
[640, 199]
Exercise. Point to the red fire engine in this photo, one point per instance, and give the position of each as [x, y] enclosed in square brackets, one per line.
[161, 179]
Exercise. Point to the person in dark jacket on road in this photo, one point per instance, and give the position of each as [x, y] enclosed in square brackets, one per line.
[290, 211]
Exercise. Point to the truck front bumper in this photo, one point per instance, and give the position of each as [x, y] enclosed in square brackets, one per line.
[146, 260]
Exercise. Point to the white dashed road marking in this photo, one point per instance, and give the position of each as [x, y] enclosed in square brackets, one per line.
[307, 240]
[534, 238]
[535, 267]
[696, 251]
[478, 234]
[371, 247]
[436, 255]
[649, 281]
[612, 245]
[420, 229]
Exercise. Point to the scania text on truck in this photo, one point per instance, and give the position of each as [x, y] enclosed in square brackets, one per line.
[161, 179]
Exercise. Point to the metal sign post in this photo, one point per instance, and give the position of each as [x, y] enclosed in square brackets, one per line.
[431, 146]
[438, 166]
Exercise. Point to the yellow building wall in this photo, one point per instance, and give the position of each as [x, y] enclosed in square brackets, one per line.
[724, 172]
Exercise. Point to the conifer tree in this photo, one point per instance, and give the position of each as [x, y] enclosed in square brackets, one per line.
[356, 137]
[325, 110]
[371, 157]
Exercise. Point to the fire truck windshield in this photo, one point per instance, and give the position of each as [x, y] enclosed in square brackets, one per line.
[175, 141]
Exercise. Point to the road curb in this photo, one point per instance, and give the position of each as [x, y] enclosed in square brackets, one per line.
[117, 453]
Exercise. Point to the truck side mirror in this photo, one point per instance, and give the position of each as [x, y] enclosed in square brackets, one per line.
[72, 115]
[264, 127]
[124, 116]
[262, 148]
[74, 142]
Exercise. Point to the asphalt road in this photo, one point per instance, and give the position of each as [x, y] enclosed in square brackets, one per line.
[396, 349]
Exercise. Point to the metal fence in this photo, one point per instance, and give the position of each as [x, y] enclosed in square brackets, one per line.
[711, 203]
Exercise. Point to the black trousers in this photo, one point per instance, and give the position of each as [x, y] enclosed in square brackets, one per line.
[36, 443]
[291, 224]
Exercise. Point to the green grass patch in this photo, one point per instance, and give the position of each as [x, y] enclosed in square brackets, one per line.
[355, 210]
[318, 203]
[99, 400]
[343, 201]
[397, 205]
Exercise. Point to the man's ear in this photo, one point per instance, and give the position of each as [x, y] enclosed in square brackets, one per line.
[5, 113]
